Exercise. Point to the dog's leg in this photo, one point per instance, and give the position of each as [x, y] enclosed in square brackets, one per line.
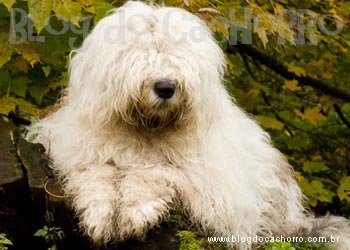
[145, 197]
[94, 195]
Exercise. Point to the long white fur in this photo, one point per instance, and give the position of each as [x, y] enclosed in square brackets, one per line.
[123, 175]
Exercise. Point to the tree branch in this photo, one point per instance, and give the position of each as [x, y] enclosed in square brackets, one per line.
[341, 115]
[282, 70]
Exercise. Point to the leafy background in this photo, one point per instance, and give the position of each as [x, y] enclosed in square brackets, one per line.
[299, 93]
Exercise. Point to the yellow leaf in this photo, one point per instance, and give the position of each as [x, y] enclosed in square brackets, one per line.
[39, 11]
[344, 188]
[263, 37]
[298, 113]
[291, 85]
[9, 104]
[333, 11]
[328, 101]
[8, 3]
[298, 176]
[269, 122]
[5, 50]
[263, 24]
[296, 69]
[219, 26]
[328, 75]
[88, 6]
[254, 93]
[21, 64]
[313, 115]
[6, 106]
[229, 61]
[68, 10]
[324, 66]
[28, 52]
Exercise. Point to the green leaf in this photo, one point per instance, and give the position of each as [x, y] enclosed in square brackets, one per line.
[299, 142]
[38, 91]
[64, 80]
[279, 246]
[41, 233]
[314, 167]
[346, 108]
[315, 191]
[101, 9]
[6, 242]
[188, 241]
[47, 70]
[19, 85]
[39, 11]
[4, 80]
[236, 65]
[344, 189]
[269, 122]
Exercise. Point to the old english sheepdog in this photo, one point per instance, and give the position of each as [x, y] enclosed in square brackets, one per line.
[147, 121]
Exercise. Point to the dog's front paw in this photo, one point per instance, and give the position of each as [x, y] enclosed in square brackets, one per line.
[136, 220]
[98, 222]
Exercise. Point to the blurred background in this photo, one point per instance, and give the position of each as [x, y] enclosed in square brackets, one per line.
[288, 65]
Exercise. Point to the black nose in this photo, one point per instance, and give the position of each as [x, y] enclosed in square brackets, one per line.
[164, 88]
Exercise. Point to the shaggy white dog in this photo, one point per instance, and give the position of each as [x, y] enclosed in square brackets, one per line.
[147, 121]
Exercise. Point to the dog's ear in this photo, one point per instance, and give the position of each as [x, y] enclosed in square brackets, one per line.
[80, 76]
[87, 93]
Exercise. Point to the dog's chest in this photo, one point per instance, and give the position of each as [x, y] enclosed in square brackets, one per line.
[142, 153]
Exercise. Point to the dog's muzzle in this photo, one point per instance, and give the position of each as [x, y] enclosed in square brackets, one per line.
[164, 89]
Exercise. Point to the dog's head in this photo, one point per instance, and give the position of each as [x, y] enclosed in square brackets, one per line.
[151, 68]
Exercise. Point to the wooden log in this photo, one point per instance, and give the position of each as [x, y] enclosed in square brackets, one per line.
[10, 169]
[15, 219]
[36, 164]
[30, 198]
